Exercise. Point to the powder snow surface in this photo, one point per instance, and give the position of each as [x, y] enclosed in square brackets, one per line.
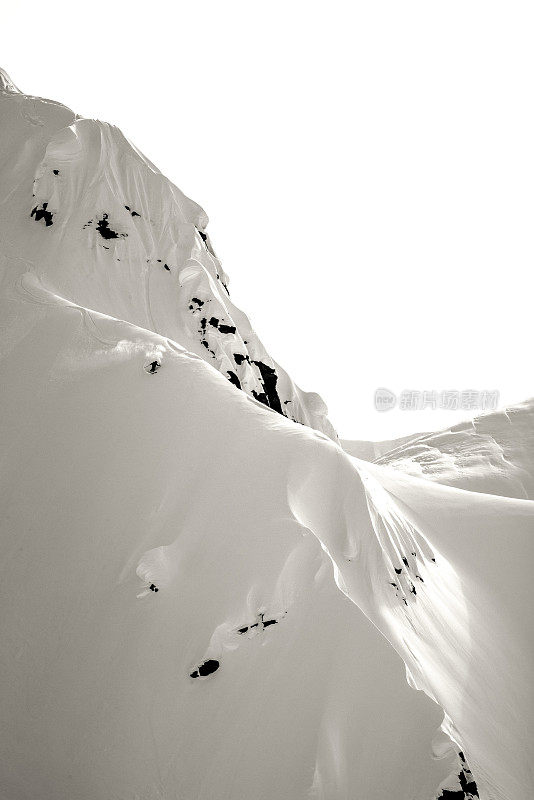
[202, 599]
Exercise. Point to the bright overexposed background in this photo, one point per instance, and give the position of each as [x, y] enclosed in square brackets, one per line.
[368, 169]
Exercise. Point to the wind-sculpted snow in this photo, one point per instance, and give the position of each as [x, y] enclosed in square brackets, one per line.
[247, 673]
[493, 453]
[200, 598]
[114, 234]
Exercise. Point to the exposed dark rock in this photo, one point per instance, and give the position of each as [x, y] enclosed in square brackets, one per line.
[232, 377]
[206, 668]
[265, 623]
[270, 379]
[42, 213]
[105, 231]
[468, 786]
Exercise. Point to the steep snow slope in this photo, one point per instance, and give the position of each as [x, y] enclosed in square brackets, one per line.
[174, 551]
[118, 481]
[104, 227]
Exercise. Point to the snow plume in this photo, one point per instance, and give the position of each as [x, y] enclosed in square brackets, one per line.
[201, 598]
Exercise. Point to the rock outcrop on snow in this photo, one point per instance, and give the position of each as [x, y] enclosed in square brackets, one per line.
[113, 234]
[200, 598]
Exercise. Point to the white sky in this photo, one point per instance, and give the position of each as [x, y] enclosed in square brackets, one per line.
[368, 169]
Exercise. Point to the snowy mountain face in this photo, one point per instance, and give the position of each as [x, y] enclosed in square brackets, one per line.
[202, 599]
[136, 246]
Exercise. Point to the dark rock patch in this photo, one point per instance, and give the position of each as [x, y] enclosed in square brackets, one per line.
[468, 789]
[269, 379]
[205, 343]
[42, 213]
[264, 623]
[261, 397]
[204, 238]
[232, 377]
[206, 668]
[105, 231]
[214, 322]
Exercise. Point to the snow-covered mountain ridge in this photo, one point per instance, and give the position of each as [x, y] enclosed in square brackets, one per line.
[115, 235]
[184, 571]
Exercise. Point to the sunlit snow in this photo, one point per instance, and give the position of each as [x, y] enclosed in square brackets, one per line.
[204, 595]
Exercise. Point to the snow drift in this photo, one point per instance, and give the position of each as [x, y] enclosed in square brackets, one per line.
[202, 599]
